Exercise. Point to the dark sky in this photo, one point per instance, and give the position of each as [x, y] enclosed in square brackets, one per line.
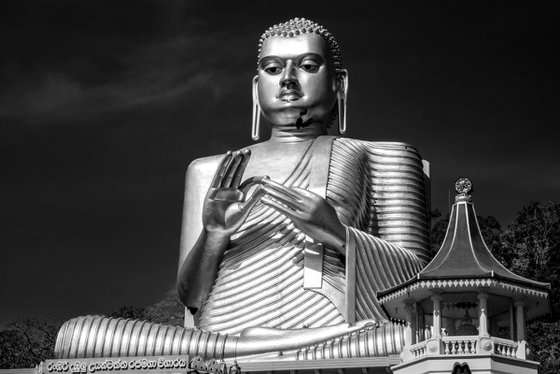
[103, 104]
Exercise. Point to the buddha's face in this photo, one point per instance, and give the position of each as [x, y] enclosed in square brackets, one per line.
[296, 80]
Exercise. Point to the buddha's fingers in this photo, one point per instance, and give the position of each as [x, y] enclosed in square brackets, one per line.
[288, 191]
[221, 171]
[232, 169]
[285, 199]
[238, 173]
[250, 182]
[289, 212]
[252, 200]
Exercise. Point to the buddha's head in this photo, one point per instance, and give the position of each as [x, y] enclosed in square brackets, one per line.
[300, 75]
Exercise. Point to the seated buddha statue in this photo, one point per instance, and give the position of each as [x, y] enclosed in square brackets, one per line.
[286, 242]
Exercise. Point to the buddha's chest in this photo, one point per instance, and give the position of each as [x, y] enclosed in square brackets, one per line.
[276, 162]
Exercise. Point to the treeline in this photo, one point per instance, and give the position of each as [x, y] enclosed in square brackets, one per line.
[529, 246]
[26, 342]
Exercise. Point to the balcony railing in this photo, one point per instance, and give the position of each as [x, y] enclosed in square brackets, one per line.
[465, 345]
[505, 347]
[459, 345]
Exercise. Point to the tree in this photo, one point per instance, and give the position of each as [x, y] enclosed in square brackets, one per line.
[168, 310]
[544, 338]
[532, 246]
[128, 311]
[13, 352]
[491, 231]
[28, 341]
[534, 239]
[439, 225]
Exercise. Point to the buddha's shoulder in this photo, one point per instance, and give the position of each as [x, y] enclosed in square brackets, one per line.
[204, 165]
[392, 147]
[210, 163]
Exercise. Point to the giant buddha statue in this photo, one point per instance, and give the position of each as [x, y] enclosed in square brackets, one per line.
[286, 242]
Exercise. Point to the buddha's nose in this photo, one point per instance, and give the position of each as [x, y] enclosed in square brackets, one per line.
[288, 78]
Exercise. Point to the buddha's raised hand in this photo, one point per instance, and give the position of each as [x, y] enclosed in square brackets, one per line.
[226, 206]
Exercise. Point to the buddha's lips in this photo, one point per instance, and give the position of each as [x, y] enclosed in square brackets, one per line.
[289, 95]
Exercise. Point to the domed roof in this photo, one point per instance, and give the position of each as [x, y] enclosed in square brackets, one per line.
[463, 253]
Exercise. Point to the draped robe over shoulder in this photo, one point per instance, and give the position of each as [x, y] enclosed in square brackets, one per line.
[378, 191]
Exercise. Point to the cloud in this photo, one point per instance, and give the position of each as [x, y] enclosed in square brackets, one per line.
[152, 75]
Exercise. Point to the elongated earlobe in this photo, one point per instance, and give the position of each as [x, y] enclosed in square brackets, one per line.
[256, 123]
[341, 116]
[341, 95]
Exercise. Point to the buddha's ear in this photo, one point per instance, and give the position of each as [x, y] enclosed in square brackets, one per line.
[342, 82]
[341, 96]
[255, 126]
[256, 89]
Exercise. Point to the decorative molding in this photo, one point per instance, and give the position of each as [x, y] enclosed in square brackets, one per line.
[460, 283]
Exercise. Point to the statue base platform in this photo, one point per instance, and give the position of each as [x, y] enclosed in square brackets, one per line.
[185, 364]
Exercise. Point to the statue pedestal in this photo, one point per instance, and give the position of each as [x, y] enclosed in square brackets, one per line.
[185, 364]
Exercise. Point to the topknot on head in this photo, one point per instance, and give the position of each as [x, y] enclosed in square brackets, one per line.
[299, 26]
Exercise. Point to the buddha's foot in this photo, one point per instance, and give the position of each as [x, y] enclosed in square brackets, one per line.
[262, 339]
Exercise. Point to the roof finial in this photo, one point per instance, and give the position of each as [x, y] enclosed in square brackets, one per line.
[463, 186]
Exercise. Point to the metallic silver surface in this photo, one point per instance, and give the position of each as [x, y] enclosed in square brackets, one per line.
[98, 336]
[285, 243]
[261, 273]
[385, 340]
[377, 190]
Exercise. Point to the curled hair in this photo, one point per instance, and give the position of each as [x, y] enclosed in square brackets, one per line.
[298, 26]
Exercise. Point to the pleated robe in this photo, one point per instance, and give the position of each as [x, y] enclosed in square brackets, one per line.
[379, 192]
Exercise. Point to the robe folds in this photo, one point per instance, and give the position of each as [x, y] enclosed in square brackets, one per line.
[273, 275]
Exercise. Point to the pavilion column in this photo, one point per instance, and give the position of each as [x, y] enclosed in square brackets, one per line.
[520, 319]
[511, 323]
[408, 306]
[483, 313]
[437, 315]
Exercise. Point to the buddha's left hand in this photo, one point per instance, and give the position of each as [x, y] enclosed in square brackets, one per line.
[309, 212]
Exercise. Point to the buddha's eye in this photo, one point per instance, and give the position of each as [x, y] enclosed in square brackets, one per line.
[309, 66]
[273, 68]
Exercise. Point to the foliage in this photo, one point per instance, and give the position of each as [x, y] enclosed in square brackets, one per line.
[531, 248]
[169, 310]
[26, 342]
[545, 339]
[128, 311]
[439, 227]
[492, 233]
[532, 245]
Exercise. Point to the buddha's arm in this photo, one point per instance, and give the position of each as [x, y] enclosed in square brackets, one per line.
[224, 209]
[198, 272]
[199, 177]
